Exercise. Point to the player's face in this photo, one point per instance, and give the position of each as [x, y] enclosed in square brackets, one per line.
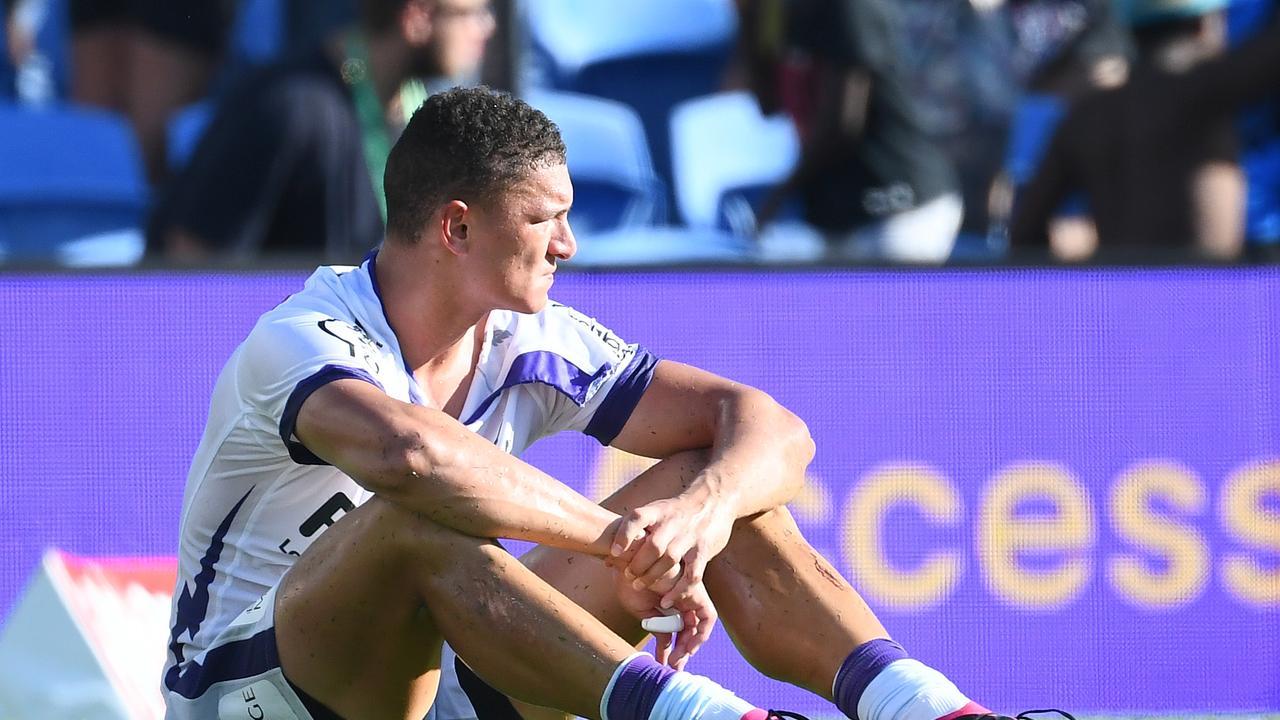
[518, 239]
[461, 29]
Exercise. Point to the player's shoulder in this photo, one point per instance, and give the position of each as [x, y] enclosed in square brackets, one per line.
[564, 330]
[319, 307]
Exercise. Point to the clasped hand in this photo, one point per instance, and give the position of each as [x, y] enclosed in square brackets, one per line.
[660, 554]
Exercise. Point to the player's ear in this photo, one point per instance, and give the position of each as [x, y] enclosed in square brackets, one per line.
[453, 227]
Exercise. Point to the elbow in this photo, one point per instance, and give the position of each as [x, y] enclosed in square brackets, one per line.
[791, 438]
[800, 450]
[404, 459]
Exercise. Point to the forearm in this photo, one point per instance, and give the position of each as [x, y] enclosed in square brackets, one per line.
[758, 456]
[427, 462]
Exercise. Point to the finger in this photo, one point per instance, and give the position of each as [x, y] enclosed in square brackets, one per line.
[631, 531]
[668, 581]
[694, 567]
[706, 624]
[662, 545]
[686, 641]
[653, 549]
[662, 651]
[661, 568]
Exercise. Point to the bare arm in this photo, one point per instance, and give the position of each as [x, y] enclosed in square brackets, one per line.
[427, 462]
[1219, 192]
[759, 451]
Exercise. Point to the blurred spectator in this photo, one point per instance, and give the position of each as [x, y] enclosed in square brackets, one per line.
[869, 176]
[959, 62]
[293, 160]
[310, 22]
[1066, 48]
[968, 64]
[142, 58]
[1157, 157]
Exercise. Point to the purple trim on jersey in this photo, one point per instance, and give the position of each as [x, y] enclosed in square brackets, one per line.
[372, 259]
[233, 661]
[193, 605]
[289, 419]
[548, 368]
[616, 408]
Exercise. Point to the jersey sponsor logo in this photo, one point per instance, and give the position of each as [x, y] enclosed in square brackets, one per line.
[254, 612]
[325, 516]
[620, 349]
[357, 340]
[259, 701]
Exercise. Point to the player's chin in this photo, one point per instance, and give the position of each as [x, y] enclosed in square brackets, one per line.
[532, 303]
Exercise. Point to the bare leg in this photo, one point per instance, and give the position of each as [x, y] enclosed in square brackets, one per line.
[787, 609]
[360, 617]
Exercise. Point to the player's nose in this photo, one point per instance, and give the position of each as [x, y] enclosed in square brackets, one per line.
[564, 245]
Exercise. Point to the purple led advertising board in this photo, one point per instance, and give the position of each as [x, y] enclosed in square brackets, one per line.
[1060, 488]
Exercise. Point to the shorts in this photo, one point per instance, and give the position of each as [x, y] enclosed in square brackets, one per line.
[200, 25]
[239, 678]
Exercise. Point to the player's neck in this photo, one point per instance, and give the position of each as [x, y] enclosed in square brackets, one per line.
[433, 319]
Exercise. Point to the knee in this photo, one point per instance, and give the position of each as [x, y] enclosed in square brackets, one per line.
[417, 541]
[770, 523]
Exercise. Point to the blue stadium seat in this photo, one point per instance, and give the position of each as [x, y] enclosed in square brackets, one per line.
[660, 246]
[6, 67]
[257, 34]
[614, 184]
[1034, 122]
[69, 174]
[649, 54]
[185, 129]
[1244, 17]
[52, 42]
[726, 156]
[1262, 169]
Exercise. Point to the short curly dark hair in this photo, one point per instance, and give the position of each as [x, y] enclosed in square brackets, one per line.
[466, 144]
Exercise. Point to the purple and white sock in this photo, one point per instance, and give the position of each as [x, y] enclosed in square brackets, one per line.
[643, 689]
[878, 681]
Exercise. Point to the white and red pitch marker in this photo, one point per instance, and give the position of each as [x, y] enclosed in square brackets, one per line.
[88, 639]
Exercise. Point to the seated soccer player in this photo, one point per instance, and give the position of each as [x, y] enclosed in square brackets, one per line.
[360, 458]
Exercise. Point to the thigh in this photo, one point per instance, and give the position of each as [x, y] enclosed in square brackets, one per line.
[350, 624]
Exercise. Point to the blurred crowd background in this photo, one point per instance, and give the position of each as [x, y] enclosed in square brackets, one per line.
[251, 132]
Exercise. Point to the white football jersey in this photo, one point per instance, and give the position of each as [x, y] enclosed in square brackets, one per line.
[256, 498]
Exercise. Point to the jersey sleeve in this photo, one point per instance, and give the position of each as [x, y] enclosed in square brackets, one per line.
[586, 378]
[286, 359]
